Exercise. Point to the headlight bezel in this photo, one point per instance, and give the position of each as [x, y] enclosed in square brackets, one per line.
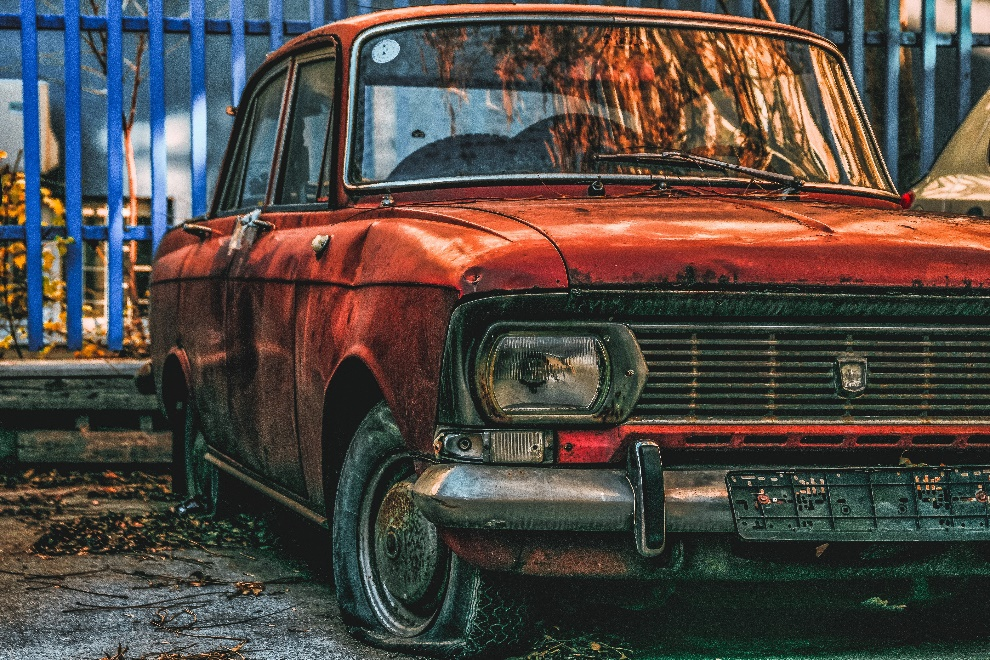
[623, 374]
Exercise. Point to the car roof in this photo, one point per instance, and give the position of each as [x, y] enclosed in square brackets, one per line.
[348, 28]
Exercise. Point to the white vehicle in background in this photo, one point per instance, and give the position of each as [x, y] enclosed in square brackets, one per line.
[12, 123]
[959, 181]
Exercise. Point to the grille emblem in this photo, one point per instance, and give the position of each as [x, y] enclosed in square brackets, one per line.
[851, 372]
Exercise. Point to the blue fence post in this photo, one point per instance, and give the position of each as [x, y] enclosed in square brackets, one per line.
[964, 42]
[338, 9]
[819, 19]
[318, 14]
[115, 170]
[927, 119]
[156, 112]
[197, 102]
[782, 11]
[277, 23]
[857, 53]
[709, 6]
[238, 63]
[891, 150]
[32, 173]
[73, 178]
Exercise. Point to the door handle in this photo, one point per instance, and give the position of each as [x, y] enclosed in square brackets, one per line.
[202, 231]
[243, 230]
[253, 220]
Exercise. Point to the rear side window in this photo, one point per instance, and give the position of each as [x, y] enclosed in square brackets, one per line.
[248, 183]
[306, 140]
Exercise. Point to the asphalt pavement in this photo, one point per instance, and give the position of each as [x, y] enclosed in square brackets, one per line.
[258, 587]
[222, 603]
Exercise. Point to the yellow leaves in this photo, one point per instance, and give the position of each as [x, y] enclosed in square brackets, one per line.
[57, 209]
[20, 261]
[3, 154]
[53, 289]
[13, 209]
[249, 588]
[91, 351]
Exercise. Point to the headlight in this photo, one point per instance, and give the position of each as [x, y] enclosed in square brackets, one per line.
[536, 373]
[525, 374]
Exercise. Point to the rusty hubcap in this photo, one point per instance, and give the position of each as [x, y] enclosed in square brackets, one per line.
[407, 549]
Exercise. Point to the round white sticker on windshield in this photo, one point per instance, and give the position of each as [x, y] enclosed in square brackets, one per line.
[385, 50]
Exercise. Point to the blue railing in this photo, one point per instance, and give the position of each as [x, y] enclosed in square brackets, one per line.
[851, 36]
[115, 233]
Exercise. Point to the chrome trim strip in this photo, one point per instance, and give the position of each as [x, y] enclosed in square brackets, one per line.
[699, 23]
[267, 491]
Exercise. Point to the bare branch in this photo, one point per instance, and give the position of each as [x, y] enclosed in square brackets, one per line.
[137, 5]
[100, 53]
[138, 57]
[95, 72]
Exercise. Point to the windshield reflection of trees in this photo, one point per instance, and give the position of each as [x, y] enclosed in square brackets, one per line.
[738, 97]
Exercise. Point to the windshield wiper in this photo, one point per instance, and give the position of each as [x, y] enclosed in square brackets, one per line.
[793, 183]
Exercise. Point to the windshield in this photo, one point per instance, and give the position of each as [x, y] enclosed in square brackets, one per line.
[513, 99]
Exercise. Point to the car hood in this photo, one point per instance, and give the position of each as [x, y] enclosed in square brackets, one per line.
[706, 240]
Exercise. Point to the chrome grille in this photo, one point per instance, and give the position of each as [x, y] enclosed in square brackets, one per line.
[787, 373]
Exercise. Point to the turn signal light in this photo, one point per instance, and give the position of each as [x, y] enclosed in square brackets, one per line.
[508, 446]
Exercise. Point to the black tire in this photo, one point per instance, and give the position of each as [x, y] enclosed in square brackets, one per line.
[398, 585]
[192, 475]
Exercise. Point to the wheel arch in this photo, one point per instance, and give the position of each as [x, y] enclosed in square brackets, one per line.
[351, 394]
[175, 394]
[174, 384]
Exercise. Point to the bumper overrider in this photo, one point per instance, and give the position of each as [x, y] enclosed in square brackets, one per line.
[642, 499]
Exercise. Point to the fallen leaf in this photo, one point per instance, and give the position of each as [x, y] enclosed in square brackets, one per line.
[249, 588]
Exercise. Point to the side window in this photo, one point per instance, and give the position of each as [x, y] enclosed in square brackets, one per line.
[306, 140]
[248, 182]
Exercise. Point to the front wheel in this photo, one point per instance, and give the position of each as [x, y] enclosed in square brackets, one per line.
[398, 585]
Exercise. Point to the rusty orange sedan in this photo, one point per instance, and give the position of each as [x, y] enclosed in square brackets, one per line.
[617, 294]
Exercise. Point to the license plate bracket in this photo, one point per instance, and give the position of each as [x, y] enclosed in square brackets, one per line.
[917, 503]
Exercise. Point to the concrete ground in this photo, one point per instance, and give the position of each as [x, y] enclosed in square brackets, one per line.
[262, 603]
[278, 602]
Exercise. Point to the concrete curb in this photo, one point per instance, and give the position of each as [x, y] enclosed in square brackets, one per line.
[78, 411]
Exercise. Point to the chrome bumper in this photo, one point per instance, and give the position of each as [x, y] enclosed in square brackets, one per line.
[566, 499]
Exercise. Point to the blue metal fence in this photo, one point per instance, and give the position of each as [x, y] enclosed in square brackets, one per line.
[842, 21]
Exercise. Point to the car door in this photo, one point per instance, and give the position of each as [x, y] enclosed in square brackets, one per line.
[261, 286]
[204, 296]
[245, 194]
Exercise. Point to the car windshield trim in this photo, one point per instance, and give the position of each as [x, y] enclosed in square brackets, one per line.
[883, 187]
[646, 180]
